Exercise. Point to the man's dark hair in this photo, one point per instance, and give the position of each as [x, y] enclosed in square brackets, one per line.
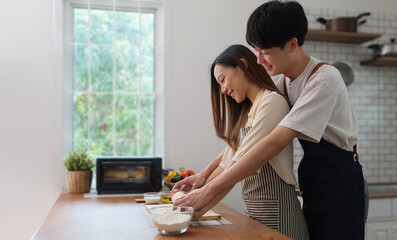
[274, 23]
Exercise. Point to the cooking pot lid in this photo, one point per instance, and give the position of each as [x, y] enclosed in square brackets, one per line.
[346, 72]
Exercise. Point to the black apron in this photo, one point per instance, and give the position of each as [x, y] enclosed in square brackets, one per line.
[332, 182]
[333, 191]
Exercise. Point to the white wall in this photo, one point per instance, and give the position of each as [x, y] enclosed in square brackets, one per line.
[384, 6]
[30, 116]
[31, 90]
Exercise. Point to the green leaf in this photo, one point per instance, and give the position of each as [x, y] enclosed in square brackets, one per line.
[79, 160]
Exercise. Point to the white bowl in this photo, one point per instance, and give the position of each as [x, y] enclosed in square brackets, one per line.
[151, 197]
[170, 220]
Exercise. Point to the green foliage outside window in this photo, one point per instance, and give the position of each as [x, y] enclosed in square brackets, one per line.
[113, 71]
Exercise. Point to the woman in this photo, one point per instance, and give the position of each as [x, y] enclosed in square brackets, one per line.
[246, 106]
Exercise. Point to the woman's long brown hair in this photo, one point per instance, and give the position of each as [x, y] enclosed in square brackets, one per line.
[229, 116]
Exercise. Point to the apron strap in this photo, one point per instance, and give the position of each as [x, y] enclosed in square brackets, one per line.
[315, 69]
[285, 81]
[289, 102]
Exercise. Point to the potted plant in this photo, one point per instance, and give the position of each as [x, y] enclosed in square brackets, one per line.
[79, 165]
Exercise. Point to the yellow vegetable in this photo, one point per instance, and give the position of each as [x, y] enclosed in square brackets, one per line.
[170, 175]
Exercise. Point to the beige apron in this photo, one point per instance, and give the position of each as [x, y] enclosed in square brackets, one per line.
[271, 201]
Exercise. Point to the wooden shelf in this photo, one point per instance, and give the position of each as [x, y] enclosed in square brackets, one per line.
[381, 62]
[339, 37]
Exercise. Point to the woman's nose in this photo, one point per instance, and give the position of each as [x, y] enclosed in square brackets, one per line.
[223, 90]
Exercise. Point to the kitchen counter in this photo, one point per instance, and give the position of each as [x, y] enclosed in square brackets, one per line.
[75, 217]
[382, 190]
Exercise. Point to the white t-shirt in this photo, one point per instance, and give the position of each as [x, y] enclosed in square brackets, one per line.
[321, 107]
[266, 112]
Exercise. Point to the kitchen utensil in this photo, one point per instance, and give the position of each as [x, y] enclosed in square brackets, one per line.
[377, 49]
[389, 49]
[170, 220]
[346, 72]
[344, 24]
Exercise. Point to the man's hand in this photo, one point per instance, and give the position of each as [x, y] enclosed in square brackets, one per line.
[198, 199]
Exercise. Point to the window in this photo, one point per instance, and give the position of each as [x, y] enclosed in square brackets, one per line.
[113, 80]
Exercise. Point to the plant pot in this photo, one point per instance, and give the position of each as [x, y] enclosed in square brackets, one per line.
[79, 181]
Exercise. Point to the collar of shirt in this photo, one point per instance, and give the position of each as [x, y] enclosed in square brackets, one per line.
[250, 117]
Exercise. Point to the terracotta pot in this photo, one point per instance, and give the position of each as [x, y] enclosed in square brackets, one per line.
[79, 181]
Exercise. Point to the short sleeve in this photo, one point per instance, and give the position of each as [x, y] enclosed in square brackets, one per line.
[313, 109]
[227, 157]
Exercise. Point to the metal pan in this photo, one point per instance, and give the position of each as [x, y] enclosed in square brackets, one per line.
[389, 49]
[343, 24]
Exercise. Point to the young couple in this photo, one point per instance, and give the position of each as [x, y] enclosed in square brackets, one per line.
[259, 120]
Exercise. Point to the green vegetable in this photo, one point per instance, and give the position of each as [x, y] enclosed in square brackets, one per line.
[176, 178]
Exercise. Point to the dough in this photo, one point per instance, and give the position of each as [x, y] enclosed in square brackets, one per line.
[137, 173]
[116, 173]
[178, 195]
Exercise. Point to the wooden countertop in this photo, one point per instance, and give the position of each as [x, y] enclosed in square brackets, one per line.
[75, 217]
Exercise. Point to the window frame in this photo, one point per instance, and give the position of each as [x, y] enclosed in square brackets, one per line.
[139, 5]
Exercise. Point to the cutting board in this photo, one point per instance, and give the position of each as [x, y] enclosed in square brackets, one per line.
[210, 215]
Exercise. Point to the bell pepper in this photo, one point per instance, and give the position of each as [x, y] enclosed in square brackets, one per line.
[176, 178]
[170, 175]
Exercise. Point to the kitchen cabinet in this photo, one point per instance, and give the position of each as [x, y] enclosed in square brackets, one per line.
[381, 230]
[383, 61]
[340, 37]
[382, 212]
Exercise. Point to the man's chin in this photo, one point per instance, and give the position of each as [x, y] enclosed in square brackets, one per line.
[272, 72]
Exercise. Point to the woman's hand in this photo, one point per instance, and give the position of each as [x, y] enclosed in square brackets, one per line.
[190, 183]
[198, 199]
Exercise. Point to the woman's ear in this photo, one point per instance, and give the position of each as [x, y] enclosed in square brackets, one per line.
[245, 64]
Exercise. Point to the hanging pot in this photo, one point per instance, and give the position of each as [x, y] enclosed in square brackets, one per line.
[343, 24]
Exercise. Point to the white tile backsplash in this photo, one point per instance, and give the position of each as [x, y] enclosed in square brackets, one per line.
[373, 93]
